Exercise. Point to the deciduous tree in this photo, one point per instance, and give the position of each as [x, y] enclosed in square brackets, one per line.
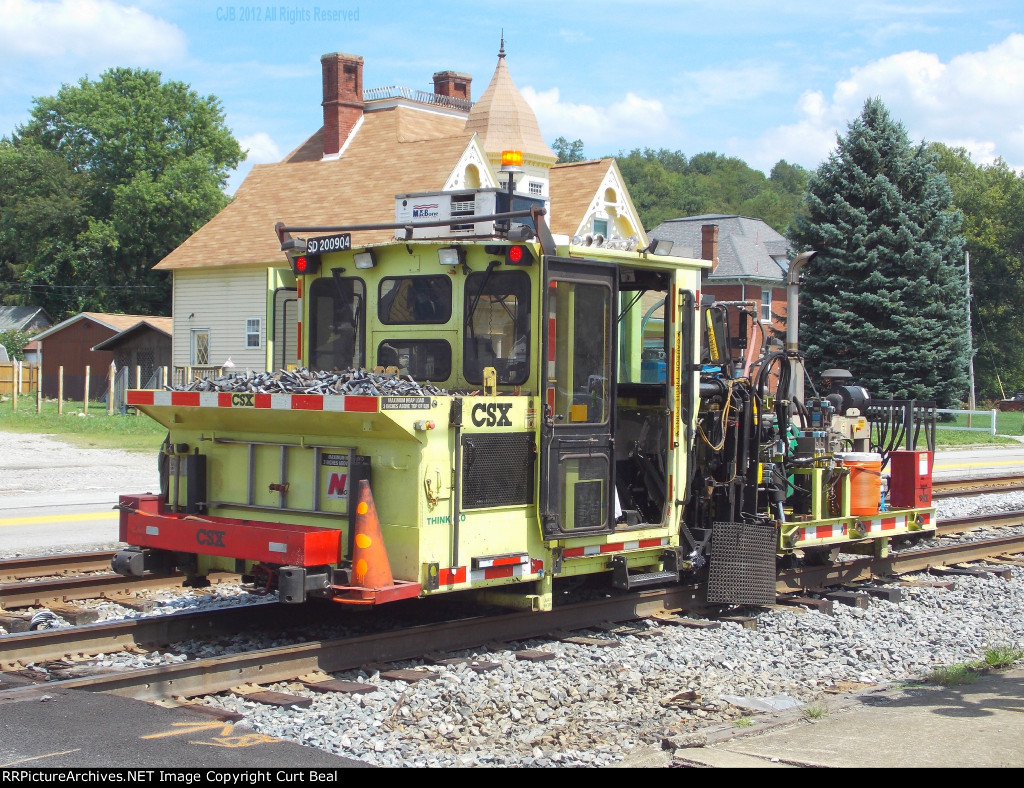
[107, 178]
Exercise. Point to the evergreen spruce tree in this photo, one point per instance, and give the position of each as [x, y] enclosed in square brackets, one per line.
[885, 296]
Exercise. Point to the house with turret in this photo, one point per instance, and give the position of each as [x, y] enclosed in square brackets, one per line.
[234, 296]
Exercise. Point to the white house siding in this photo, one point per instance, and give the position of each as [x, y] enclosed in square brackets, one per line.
[220, 299]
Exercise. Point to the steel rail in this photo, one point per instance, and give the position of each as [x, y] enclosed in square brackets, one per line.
[991, 520]
[14, 569]
[872, 568]
[20, 649]
[984, 485]
[266, 666]
[269, 665]
[104, 586]
[218, 674]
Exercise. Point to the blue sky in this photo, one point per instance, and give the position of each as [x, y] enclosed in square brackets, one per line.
[759, 80]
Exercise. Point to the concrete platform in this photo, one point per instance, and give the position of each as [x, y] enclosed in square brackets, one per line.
[41, 729]
[914, 726]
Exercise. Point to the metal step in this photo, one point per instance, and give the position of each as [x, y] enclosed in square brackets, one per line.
[625, 580]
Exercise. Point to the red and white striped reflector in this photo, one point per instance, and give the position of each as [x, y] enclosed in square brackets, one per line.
[615, 547]
[223, 399]
[523, 566]
[486, 562]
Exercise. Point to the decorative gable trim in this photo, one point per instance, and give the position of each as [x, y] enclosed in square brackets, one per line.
[612, 204]
[473, 156]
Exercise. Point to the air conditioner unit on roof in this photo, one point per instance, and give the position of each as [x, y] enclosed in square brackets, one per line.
[459, 207]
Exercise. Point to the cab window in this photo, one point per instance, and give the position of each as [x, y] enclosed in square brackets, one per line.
[426, 360]
[407, 300]
[337, 323]
[497, 330]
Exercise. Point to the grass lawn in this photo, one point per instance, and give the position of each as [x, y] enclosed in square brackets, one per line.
[97, 430]
[94, 430]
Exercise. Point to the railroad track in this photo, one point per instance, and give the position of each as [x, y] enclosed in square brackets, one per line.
[14, 569]
[105, 585]
[52, 580]
[264, 666]
[956, 488]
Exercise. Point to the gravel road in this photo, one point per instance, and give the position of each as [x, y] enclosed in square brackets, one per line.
[42, 464]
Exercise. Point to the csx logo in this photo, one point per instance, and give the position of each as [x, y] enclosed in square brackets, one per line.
[242, 400]
[208, 538]
[492, 415]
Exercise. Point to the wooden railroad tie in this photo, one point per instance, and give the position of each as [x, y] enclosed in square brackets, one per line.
[535, 655]
[826, 606]
[1003, 573]
[665, 617]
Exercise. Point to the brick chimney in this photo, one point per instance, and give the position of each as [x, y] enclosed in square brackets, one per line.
[453, 84]
[709, 244]
[343, 98]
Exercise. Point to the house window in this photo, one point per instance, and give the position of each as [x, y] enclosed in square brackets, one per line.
[252, 331]
[200, 355]
[766, 306]
[601, 226]
[536, 188]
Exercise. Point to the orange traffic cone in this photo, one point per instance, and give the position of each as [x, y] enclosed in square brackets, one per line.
[370, 566]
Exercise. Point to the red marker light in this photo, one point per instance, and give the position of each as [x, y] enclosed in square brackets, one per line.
[518, 255]
[305, 264]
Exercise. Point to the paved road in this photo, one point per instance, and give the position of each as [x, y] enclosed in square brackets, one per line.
[53, 495]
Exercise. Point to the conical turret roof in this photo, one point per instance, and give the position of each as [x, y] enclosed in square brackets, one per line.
[504, 121]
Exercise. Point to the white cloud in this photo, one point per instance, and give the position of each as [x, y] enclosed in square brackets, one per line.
[261, 148]
[630, 121]
[697, 91]
[90, 30]
[973, 100]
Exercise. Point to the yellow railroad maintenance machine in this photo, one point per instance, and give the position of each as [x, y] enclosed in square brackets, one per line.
[481, 407]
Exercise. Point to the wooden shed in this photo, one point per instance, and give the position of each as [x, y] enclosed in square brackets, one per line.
[145, 346]
[70, 343]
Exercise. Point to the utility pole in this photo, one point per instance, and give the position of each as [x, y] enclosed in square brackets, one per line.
[970, 340]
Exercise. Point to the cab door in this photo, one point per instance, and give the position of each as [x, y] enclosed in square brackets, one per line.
[577, 455]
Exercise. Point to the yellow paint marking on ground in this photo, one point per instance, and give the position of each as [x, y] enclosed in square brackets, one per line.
[234, 742]
[37, 757]
[978, 464]
[58, 518]
[192, 727]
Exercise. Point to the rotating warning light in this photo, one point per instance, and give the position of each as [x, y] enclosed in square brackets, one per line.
[511, 160]
[518, 255]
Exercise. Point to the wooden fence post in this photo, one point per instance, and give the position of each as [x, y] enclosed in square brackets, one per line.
[60, 390]
[15, 384]
[39, 395]
[85, 394]
[111, 376]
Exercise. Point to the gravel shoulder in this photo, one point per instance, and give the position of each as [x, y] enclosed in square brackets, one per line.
[34, 464]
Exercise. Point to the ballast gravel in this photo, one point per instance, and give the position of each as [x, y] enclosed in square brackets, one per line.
[595, 705]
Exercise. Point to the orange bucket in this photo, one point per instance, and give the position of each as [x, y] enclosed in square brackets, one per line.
[865, 481]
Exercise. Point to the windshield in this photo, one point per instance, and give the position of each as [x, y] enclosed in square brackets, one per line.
[337, 323]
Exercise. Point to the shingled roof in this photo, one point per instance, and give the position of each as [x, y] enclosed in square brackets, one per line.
[574, 185]
[747, 247]
[395, 151]
[503, 119]
[109, 320]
